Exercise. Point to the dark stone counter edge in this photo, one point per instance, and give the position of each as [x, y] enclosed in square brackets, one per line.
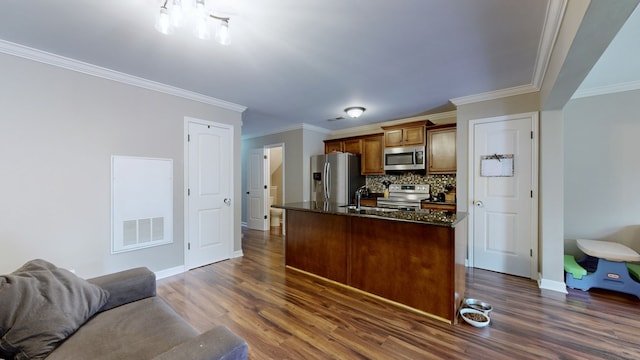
[429, 217]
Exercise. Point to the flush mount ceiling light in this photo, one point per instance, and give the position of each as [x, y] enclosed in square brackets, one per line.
[195, 13]
[354, 111]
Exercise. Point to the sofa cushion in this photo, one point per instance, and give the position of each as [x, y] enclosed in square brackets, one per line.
[138, 330]
[41, 306]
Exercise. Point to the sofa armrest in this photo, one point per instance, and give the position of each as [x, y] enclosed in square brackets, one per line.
[216, 344]
[127, 286]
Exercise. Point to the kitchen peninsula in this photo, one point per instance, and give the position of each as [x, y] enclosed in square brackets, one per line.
[414, 259]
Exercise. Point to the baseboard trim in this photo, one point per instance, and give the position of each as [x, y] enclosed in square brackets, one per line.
[169, 272]
[546, 284]
[237, 254]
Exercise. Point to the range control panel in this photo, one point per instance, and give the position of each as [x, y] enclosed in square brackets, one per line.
[409, 188]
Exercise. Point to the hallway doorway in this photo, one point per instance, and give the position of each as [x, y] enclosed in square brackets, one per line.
[274, 169]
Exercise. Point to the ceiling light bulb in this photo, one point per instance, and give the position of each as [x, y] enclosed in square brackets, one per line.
[176, 14]
[222, 35]
[162, 22]
[354, 111]
[201, 28]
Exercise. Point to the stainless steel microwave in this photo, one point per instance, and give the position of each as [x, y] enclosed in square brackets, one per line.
[404, 158]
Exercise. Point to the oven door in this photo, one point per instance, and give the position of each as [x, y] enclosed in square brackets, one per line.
[404, 158]
[398, 204]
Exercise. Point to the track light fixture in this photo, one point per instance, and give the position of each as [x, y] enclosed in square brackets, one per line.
[195, 13]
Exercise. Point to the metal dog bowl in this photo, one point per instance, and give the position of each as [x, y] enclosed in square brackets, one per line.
[478, 305]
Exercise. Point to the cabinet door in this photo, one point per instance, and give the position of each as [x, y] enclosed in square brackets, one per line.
[414, 135]
[372, 155]
[332, 146]
[441, 154]
[353, 146]
[445, 207]
[317, 243]
[393, 138]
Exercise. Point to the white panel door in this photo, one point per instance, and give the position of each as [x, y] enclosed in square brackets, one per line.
[256, 191]
[504, 239]
[209, 183]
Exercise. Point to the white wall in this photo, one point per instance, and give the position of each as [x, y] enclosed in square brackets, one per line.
[59, 129]
[299, 145]
[602, 171]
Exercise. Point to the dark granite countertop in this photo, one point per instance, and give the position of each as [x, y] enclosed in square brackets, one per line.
[438, 202]
[430, 217]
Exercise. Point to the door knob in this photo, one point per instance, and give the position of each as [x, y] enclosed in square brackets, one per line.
[227, 202]
[479, 204]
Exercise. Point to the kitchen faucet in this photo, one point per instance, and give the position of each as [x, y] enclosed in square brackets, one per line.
[359, 195]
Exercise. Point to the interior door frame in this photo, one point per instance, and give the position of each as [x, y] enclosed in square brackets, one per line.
[267, 166]
[185, 187]
[534, 266]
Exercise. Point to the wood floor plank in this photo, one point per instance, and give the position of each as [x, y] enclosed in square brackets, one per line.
[285, 314]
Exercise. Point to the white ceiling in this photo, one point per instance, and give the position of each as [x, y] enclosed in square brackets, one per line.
[293, 62]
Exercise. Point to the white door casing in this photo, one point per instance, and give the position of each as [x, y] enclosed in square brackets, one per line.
[504, 209]
[209, 230]
[257, 190]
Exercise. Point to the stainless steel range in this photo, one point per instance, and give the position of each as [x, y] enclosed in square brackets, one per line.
[405, 196]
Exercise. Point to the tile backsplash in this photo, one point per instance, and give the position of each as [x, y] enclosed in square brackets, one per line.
[436, 182]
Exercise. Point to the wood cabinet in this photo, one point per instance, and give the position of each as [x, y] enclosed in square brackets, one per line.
[408, 134]
[350, 145]
[370, 147]
[441, 150]
[333, 146]
[372, 155]
[353, 146]
[317, 244]
[369, 202]
[418, 265]
[432, 206]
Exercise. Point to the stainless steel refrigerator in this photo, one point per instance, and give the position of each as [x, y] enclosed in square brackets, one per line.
[335, 177]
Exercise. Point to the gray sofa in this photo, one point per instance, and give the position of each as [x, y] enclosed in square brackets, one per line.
[134, 323]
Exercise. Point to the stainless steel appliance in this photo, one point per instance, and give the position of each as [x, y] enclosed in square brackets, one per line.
[405, 196]
[335, 177]
[404, 158]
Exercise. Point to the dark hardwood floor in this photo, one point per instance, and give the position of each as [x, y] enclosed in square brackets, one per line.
[287, 315]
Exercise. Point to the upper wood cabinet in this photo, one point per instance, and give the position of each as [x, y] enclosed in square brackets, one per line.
[372, 155]
[353, 146]
[408, 134]
[350, 145]
[332, 146]
[441, 150]
[370, 147]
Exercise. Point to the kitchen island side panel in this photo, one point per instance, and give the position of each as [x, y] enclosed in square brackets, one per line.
[409, 263]
[317, 243]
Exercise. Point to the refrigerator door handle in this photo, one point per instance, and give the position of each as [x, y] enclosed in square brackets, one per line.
[324, 181]
[327, 180]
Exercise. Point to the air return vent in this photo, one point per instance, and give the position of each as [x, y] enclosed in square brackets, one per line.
[141, 202]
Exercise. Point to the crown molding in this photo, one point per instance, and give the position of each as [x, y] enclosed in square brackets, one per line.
[301, 126]
[608, 89]
[442, 115]
[492, 95]
[377, 127]
[315, 128]
[550, 30]
[25, 52]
